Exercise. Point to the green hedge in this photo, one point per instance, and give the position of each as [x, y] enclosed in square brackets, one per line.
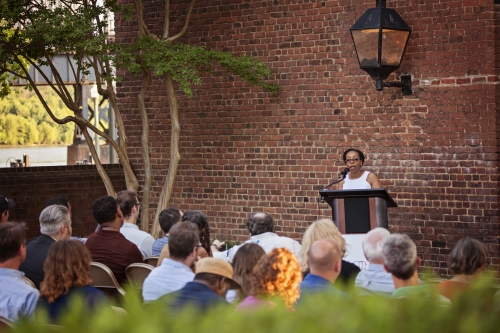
[475, 311]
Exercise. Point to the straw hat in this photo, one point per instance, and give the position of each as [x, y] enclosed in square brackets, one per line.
[217, 267]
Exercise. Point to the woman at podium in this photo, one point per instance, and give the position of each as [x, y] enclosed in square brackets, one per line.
[357, 178]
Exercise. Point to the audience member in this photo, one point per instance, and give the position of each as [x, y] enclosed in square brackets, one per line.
[59, 200]
[243, 263]
[275, 274]
[467, 261]
[375, 279]
[5, 205]
[200, 220]
[66, 276]
[260, 225]
[55, 225]
[401, 260]
[17, 298]
[130, 207]
[174, 272]
[168, 217]
[324, 261]
[326, 229]
[214, 277]
[107, 245]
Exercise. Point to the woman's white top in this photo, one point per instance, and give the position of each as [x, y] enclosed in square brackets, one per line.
[357, 184]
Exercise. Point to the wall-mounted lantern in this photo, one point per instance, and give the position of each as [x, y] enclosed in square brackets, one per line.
[380, 37]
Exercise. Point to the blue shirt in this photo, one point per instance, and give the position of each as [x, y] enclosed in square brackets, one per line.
[375, 280]
[158, 245]
[197, 295]
[316, 284]
[92, 297]
[17, 299]
[170, 276]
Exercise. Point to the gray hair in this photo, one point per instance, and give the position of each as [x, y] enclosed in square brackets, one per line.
[259, 223]
[400, 256]
[374, 242]
[53, 218]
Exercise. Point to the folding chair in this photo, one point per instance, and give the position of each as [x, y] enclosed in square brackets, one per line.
[104, 280]
[6, 324]
[29, 282]
[153, 261]
[137, 273]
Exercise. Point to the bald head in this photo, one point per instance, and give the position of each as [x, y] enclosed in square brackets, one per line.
[324, 256]
[373, 244]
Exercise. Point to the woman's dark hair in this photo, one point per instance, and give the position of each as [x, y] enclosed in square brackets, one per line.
[467, 256]
[244, 261]
[200, 220]
[67, 266]
[360, 153]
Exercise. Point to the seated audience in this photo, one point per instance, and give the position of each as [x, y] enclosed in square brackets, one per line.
[276, 274]
[260, 225]
[168, 217]
[17, 298]
[324, 261]
[130, 207]
[107, 245]
[214, 277]
[5, 205]
[66, 276]
[467, 261]
[243, 263]
[198, 218]
[375, 280]
[55, 225]
[401, 260]
[326, 229]
[174, 272]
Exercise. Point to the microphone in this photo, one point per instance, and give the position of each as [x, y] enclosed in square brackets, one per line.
[343, 174]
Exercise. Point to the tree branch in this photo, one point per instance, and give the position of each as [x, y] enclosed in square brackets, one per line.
[167, 19]
[184, 28]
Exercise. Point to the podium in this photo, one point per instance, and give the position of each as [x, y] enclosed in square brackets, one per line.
[358, 211]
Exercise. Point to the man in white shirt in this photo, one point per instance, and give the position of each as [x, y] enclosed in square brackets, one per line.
[260, 225]
[375, 280]
[176, 271]
[17, 298]
[130, 207]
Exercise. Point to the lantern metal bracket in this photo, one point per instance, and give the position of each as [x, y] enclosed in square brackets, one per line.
[404, 84]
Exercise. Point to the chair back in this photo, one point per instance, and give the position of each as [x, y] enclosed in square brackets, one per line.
[137, 273]
[153, 261]
[29, 282]
[104, 279]
[6, 324]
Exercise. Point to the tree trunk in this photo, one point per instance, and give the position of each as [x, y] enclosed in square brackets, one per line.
[175, 157]
[100, 169]
[146, 79]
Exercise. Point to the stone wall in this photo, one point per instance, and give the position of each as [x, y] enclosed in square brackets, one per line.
[245, 150]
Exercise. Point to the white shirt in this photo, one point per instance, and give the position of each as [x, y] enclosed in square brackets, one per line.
[268, 241]
[358, 183]
[170, 276]
[376, 280]
[142, 239]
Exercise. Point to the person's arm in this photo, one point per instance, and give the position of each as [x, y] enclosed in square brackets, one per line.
[134, 255]
[372, 179]
[339, 186]
[147, 246]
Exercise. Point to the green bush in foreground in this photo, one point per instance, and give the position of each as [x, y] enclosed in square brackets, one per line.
[476, 311]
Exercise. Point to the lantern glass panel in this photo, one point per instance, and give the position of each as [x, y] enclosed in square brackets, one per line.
[393, 46]
[366, 42]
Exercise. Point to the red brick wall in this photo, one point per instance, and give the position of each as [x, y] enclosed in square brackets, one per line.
[31, 187]
[243, 150]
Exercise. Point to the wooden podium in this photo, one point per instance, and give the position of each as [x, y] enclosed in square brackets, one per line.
[358, 211]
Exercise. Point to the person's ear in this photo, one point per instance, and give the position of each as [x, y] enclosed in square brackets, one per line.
[418, 262]
[338, 266]
[386, 269]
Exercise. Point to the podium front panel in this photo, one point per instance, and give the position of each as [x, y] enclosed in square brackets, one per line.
[357, 215]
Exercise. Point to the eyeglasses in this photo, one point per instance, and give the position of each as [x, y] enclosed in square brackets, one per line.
[349, 160]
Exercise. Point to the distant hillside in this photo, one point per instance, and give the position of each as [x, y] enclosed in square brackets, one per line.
[24, 121]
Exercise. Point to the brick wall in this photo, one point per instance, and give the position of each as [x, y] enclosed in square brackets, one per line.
[243, 150]
[31, 187]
